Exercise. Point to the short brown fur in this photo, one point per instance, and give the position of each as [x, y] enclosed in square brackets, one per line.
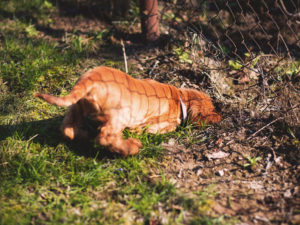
[119, 101]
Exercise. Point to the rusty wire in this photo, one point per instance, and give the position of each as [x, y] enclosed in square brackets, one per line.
[261, 37]
[236, 27]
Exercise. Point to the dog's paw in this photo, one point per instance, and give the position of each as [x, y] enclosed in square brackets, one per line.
[132, 147]
[69, 132]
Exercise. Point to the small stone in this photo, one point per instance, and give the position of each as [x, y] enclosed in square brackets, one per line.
[220, 173]
[180, 174]
[287, 193]
[199, 172]
[171, 141]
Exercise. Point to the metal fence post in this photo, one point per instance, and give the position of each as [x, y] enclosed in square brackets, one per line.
[149, 20]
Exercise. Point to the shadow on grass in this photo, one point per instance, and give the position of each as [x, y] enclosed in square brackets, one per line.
[20, 14]
[47, 132]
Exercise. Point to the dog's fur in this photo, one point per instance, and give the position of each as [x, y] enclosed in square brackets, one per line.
[119, 101]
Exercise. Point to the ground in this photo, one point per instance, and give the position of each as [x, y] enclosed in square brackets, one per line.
[244, 170]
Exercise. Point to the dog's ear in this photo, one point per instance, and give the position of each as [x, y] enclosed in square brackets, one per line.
[201, 109]
[201, 112]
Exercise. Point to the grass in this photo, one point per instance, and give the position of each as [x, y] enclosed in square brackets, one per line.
[48, 180]
[42, 183]
[27, 64]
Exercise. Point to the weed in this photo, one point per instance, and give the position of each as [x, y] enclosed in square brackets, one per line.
[168, 16]
[82, 44]
[252, 162]
[31, 31]
[289, 71]
[134, 9]
[102, 34]
[236, 65]
[183, 55]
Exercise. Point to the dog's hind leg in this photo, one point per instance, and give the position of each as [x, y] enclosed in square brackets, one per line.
[72, 122]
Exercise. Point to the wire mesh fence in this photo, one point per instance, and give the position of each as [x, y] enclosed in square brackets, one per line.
[235, 28]
[253, 42]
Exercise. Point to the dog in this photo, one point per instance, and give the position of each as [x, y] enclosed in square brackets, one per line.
[119, 101]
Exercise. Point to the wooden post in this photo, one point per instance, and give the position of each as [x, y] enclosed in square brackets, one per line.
[149, 20]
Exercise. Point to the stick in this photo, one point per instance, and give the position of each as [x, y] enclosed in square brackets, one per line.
[279, 118]
[33, 137]
[155, 64]
[124, 55]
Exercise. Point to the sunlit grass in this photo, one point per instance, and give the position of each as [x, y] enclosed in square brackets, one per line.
[46, 179]
[27, 64]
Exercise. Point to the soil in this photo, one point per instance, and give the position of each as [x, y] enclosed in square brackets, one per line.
[266, 192]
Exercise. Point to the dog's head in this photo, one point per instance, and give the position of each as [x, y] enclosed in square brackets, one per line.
[199, 106]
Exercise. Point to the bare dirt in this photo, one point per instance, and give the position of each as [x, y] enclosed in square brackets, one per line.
[266, 192]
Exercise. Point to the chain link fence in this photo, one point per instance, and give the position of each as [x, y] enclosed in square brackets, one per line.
[235, 42]
[238, 27]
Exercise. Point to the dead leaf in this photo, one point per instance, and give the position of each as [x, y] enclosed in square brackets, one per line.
[243, 79]
[217, 155]
[219, 142]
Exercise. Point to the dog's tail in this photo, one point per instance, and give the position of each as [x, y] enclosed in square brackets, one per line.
[78, 92]
[59, 101]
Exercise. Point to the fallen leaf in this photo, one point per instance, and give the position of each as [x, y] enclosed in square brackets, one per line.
[217, 155]
[219, 142]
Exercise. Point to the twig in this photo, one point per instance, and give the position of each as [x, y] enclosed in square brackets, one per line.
[124, 55]
[33, 137]
[295, 114]
[269, 163]
[153, 67]
[279, 118]
[264, 127]
[273, 152]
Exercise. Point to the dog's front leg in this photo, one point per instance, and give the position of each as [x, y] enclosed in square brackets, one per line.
[112, 138]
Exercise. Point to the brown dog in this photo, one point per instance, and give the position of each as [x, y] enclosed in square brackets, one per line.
[119, 101]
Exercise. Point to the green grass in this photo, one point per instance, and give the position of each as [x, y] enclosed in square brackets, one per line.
[54, 184]
[48, 180]
[26, 64]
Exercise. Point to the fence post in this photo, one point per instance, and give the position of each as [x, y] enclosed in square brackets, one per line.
[149, 20]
